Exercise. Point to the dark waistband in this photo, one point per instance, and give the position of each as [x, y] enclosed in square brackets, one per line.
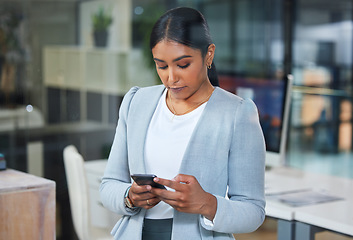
[158, 225]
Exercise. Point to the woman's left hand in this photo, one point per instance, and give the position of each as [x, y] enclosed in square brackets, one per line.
[188, 197]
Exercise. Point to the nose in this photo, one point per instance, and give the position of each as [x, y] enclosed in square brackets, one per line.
[172, 78]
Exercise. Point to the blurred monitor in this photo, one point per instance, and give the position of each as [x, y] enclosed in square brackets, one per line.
[272, 98]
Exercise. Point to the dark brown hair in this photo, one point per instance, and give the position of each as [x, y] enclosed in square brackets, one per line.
[186, 26]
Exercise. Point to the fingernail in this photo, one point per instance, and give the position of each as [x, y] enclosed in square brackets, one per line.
[149, 188]
[156, 179]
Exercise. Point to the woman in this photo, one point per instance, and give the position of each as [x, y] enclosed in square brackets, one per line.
[202, 142]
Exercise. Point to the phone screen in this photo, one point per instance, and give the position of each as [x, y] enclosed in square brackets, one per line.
[146, 179]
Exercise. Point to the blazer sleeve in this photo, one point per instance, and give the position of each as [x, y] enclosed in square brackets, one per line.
[244, 210]
[116, 178]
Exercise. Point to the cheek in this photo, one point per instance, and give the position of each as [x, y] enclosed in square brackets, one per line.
[198, 73]
[161, 75]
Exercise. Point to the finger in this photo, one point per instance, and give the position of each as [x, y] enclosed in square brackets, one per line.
[149, 203]
[138, 189]
[170, 197]
[152, 201]
[178, 183]
[183, 178]
[168, 183]
[141, 196]
[141, 200]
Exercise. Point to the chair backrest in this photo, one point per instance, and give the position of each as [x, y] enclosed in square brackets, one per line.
[78, 191]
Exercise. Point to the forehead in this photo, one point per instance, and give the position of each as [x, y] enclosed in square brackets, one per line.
[170, 50]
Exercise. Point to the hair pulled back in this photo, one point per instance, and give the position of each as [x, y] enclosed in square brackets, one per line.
[186, 26]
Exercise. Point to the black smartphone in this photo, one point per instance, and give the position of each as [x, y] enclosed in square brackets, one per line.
[146, 179]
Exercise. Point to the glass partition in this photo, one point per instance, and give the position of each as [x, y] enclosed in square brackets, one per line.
[62, 80]
[321, 122]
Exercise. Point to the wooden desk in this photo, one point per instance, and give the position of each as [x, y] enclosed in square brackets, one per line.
[27, 206]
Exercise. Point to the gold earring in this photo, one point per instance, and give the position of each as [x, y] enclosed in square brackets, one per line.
[209, 66]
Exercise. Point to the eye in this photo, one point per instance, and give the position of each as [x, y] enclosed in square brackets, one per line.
[161, 66]
[184, 66]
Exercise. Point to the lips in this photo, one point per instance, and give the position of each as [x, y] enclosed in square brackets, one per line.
[176, 89]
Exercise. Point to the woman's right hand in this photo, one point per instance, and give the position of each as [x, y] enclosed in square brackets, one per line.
[141, 196]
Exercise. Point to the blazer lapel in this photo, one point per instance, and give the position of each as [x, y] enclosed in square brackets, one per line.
[141, 115]
[200, 141]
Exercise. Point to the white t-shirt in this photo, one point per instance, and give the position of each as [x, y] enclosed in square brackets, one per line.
[166, 142]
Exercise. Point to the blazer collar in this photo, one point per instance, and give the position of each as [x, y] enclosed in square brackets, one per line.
[200, 136]
[151, 97]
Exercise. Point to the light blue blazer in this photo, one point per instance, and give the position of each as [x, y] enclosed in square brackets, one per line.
[226, 149]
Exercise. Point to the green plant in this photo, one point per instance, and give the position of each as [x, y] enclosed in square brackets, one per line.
[101, 20]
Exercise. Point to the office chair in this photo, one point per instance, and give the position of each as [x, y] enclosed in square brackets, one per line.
[79, 197]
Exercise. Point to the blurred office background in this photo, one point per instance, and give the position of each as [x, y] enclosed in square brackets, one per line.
[59, 86]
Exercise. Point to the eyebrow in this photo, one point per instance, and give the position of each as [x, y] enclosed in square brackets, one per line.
[175, 60]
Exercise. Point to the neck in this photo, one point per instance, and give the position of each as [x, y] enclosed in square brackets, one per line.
[186, 108]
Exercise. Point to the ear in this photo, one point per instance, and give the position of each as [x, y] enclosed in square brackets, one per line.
[210, 54]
